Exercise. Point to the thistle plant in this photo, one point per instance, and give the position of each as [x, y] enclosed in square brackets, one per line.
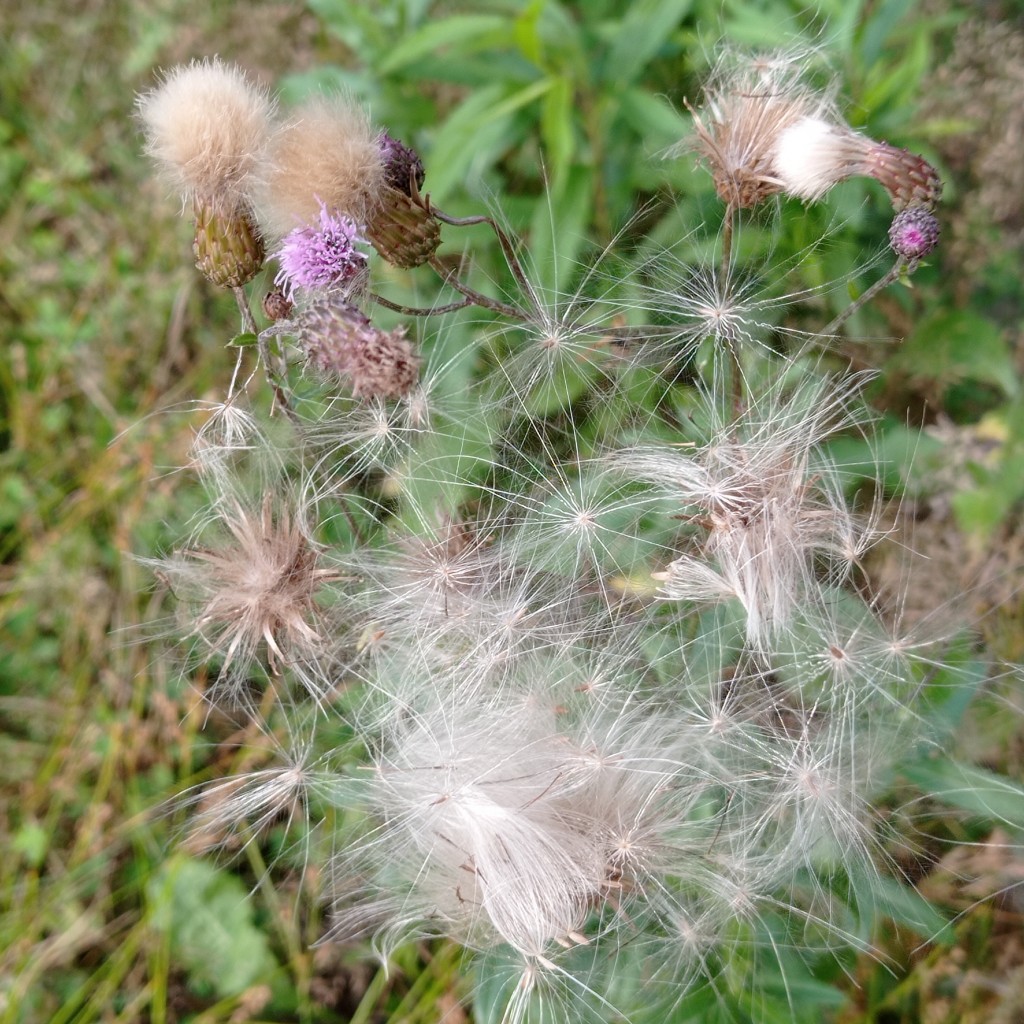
[585, 589]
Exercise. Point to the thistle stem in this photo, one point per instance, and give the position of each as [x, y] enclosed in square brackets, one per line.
[419, 310]
[449, 278]
[894, 273]
[508, 248]
[724, 268]
[249, 324]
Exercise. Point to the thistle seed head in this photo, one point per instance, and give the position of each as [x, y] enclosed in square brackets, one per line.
[326, 156]
[252, 590]
[208, 127]
[337, 339]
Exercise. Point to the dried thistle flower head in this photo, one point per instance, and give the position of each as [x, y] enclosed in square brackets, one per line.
[765, 512]
[764, 131]
[327, 155]
[748, 104]
[339, 340]
[207, 127]
[253, 589]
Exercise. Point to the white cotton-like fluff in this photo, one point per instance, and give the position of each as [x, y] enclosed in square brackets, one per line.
[766, 512]
[207, 127]
[811, 155]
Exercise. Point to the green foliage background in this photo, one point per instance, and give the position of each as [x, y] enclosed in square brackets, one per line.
[561, 115]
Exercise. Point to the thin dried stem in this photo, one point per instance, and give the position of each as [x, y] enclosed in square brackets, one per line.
[449, 278]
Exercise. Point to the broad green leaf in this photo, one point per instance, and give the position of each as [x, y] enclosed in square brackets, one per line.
[208, 916]
[462, 32]
[954, 345]
[975, 790]
[642, 33]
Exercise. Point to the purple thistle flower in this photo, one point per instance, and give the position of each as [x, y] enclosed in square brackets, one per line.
[320, 257]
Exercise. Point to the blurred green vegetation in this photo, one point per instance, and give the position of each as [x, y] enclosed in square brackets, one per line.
[561, 116]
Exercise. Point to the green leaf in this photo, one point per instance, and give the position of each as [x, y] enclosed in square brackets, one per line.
[464, 33]
[906, 906]
[207, 915]
[33, 842]
[526, 32]
[246, 340]
[954, 345]
[654, 118]
[641, 35]
[556, 125]
[474, 133]
[975, 790]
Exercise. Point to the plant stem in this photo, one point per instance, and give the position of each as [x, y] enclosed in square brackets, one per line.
[724, 270]
[449, 278]
[508, 247]
[249, 324]
[419, 310]
[894, 273]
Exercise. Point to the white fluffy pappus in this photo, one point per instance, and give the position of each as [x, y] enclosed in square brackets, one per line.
[208, 127]
[761, 508]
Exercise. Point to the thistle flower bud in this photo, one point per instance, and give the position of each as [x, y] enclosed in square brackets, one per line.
[914, 233]
[402, 164]
[403, 230]
[337, 339]
[228, 249]
[276, 305]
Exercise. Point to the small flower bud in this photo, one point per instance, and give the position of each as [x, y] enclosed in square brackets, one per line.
[228, 248]
[277, 305]
[402, 165]
[403, 230]
[339, 340]
[914, 233]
